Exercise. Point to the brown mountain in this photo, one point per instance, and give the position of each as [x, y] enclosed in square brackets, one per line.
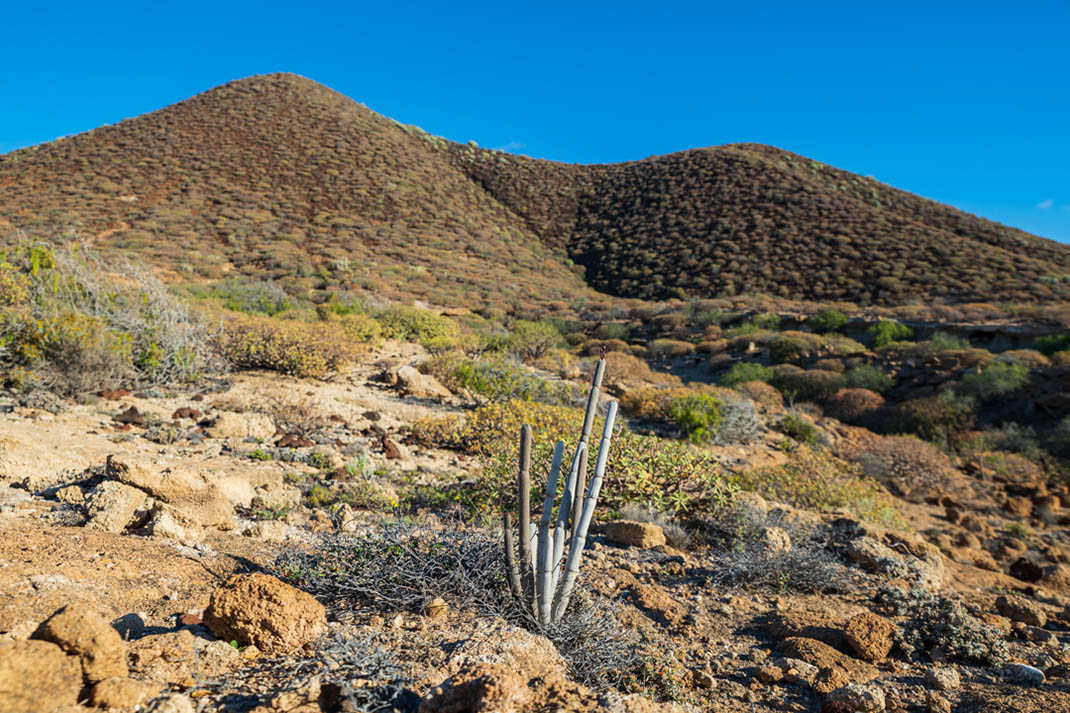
[277, 177]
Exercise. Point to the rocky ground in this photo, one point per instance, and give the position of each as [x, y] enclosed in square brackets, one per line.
[138, 535]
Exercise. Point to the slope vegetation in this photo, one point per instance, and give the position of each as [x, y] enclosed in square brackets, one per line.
[277, 177]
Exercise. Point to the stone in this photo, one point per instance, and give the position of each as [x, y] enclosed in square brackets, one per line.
[874, 556]
[1057, 578]
[111, 506]
[870, 636]
[864, 698]
[796, 671]
[242, 425]
[943, 678]
[829, 679]
[823, 656]
[937, 703]
[495, 641]
[121, 693]
[37, 677]
[1025, 570]
[267, 530]
[481, 688]
[168, 523]
[1018, 506]
[1023, 675]
[1023, 610]
[171, 703]
[86, 634]
[189, 493]
[703, 679]
[435, 608]
[20, 631]
[769, 673]
[775, 540]
[264, 611]
[71, 494]
[421, 386]
[644, 535]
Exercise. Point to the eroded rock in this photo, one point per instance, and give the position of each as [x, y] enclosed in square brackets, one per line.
[264, 611]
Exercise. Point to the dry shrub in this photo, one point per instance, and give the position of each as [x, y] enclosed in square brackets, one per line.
[655, 404]
[289, 347]
[1030, 358]
[854, 406]
[670, 349]
[830, 365]
[912, 468]
[624, 369]
[763, 394]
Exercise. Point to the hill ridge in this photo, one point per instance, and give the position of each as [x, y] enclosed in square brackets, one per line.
[278, 177]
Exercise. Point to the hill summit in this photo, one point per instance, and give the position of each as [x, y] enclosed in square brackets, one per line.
[277, 177]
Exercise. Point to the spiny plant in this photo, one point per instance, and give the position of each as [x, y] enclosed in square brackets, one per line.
[545, 578]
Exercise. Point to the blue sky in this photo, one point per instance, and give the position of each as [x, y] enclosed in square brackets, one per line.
[963, 102]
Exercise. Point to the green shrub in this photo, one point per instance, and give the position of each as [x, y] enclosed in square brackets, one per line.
[791, 346]
[887, 331]
[743, 371]
[768, 322]
[698, 416]
[816, 480]
[814, 385]
[996, 379]
[612, 330]
[264, 298]
[1052, 343]
[867, 376]
[496, 377]
[829, 320]
[798, 429]
[932, 418]
[531, 340]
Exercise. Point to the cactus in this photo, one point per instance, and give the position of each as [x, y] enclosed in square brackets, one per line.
[544, 579]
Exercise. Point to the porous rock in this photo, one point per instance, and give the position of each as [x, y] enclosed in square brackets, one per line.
[480, 688]
[644, 535]
[264, 611]
[86, 634]
[1023, 610]
[37, 677]
[870, 636]
[943, 678]
[111, 506]
[422, 386]
[121, 693]
[189, 493]
[863, 698]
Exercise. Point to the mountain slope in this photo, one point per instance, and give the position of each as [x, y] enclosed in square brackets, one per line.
[277, 177]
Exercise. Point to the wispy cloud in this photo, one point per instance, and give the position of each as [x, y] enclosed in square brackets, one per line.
[511, 146]
[1046, 205]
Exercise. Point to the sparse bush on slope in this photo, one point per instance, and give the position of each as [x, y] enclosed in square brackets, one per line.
[72, 323]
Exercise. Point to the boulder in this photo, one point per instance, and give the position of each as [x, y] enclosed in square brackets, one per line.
[644, 535]
[37, 677]
[1023, 610]
[824, 656]
[121, 693]
[86, 634]
[112, 506]
[863, 698]
[264, 611]
[422, 386]
[241, 425]
[870, 636]
[481, 688]
[943, 678]
[775, 540]
[194, 497]
[495, 641]
[171, 703]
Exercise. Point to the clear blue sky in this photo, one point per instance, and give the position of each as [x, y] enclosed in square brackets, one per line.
[962, 102]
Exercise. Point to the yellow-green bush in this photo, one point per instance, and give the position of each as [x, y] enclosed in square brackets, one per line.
[816, 480]
[289, 347]
[412, 324]
[791, 346]
[485, 429]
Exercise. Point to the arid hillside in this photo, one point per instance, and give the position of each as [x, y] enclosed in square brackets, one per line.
[276, 177]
